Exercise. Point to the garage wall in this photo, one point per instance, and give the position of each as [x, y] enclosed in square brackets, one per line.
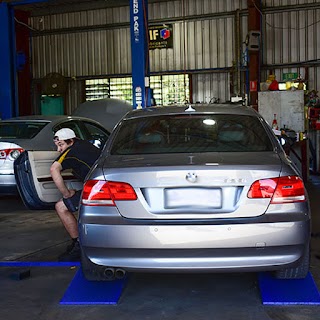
[291, 39]
[207, 87]
[96, 43]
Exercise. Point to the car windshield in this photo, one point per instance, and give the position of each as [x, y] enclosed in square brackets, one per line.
[20, 129]
[191, 133]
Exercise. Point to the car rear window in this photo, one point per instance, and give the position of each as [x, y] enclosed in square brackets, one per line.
[191, 133]
[20, 130]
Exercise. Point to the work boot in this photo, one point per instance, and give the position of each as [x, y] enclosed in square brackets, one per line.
[73, 254]
[71, 245]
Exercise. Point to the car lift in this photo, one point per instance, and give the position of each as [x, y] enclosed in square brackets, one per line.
[15, 57]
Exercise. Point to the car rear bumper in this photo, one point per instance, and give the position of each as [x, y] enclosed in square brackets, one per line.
[236, 260]
[8, 184]
[254, 247]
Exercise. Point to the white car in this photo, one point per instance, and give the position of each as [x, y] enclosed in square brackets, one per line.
[36, 133]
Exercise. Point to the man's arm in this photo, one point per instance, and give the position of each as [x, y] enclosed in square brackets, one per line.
[55, 171]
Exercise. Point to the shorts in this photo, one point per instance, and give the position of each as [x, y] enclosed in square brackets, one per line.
[73, 202]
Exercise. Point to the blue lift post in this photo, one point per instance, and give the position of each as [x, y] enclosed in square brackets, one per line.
[140, 53]
[9, 106]
[8, 96]
[139, 49]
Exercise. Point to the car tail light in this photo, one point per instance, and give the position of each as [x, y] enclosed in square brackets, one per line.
[11, 154]
[104, 193]
[280, 190]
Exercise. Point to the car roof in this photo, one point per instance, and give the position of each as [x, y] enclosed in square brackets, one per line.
[50, 118]
[192, 108]
[41, 117]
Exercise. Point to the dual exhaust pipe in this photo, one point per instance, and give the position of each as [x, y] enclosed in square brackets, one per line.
[114, 273]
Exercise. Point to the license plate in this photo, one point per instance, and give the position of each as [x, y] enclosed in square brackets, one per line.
[192, 197]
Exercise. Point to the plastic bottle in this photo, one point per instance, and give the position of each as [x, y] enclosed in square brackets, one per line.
[275, 122]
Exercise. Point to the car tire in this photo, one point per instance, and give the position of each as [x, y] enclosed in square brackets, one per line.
[299, 272]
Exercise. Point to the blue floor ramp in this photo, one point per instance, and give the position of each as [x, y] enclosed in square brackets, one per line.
[273, 291]
[38, 264]
[82, 291]
[288, 292]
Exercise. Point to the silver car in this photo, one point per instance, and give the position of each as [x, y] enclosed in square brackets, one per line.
[35, 133]
[194, 189]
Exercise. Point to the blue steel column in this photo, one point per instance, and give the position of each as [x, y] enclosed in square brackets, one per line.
[139, 52]
[8, 103]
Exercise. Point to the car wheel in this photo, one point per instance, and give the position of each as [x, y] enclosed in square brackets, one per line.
[299, 272]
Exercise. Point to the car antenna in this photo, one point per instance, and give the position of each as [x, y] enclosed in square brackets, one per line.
[190, 109]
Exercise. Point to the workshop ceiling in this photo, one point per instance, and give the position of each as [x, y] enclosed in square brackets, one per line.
[38, 7]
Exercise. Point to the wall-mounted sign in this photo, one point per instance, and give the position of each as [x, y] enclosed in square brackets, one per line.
[253, 86]
[289, 76]
[138, 96]
[160, 36]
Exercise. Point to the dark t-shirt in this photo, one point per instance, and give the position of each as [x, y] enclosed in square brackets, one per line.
[79, 157]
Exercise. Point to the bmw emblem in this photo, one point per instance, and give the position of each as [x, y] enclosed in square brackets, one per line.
[191, 177]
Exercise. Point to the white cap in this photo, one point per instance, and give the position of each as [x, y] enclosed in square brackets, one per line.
[64, 134]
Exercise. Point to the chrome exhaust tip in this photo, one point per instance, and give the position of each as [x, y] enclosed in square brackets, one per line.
[109, 273]
[120, 273]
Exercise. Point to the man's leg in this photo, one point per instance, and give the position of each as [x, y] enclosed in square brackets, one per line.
[65, 209]
[68, 219]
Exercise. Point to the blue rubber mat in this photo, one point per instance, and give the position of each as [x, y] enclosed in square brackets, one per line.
[82, 291]
[281, 292]
[38, 264]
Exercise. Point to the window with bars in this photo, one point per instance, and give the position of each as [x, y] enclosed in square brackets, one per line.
[97, 89]
[175, 89]
[121, 88]
[167, 89]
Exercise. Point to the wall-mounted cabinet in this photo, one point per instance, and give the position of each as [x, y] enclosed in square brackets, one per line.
[288, 106]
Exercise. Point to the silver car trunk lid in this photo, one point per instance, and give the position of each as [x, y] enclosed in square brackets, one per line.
[194, 186]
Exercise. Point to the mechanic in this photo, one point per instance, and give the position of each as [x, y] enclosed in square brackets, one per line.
[79, 156]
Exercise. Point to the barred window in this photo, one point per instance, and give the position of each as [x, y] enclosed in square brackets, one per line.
[97, 89]
[167, 89]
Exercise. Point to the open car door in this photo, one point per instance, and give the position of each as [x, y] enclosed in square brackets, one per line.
[34, 181]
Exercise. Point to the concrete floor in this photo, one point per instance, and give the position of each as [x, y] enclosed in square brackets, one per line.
[38, 236]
